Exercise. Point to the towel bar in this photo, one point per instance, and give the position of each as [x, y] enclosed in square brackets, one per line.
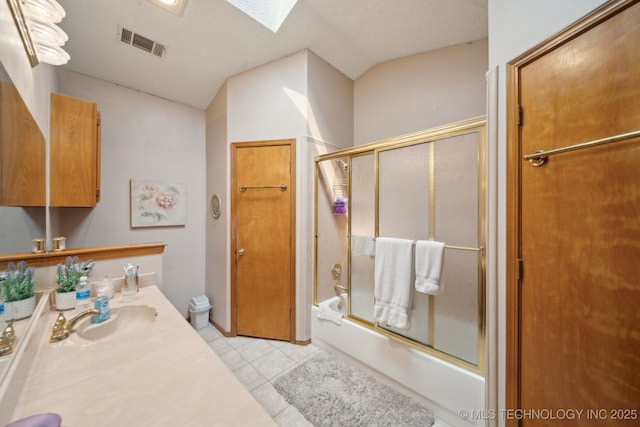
[244, 188]
[540, 157]
[464, 248]
[460, 248]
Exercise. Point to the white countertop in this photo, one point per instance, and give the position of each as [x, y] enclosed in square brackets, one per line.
[165, 376]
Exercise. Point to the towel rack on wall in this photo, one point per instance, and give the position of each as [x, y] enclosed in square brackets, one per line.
[460, 248]
[540, 157]
[464, 248]
[244, 188]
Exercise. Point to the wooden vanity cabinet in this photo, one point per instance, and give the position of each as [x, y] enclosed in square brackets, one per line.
[74, 171]
[22, 152]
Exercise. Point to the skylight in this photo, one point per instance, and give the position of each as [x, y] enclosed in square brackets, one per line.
[174, 6]
[270, 13]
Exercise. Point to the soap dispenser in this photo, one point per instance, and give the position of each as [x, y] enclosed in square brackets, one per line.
[102, 303]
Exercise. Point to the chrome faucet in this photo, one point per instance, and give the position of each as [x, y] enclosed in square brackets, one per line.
[339, 289]
[63, 327]
[7, 339]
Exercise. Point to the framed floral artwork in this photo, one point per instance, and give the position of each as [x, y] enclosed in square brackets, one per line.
[156, 204]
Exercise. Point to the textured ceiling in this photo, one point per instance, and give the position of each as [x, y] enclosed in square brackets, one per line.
[213, 40]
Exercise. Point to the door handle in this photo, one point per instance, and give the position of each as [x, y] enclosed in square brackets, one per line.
[240, 251]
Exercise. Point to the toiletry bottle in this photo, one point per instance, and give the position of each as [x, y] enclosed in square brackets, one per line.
[83, 295]
[108, 286]
[130, 286]
[102, 304]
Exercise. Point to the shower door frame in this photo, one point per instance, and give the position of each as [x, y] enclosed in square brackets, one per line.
[479, 125]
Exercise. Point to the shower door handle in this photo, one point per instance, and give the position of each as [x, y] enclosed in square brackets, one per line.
[240, 251]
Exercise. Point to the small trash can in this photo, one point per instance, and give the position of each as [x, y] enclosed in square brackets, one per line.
[199, 310]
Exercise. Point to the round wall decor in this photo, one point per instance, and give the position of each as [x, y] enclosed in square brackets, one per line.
[214, 206]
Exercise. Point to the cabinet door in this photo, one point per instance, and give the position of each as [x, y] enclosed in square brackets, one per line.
[74, 152]
[22, 152]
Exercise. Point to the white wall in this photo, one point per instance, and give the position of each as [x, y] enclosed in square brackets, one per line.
[329, 128]
[420, 92]
[514, 28]
[217, 245]
[330, 103]
[268, 102]
[144, 137]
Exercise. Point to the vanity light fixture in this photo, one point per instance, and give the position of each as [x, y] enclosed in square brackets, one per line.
[174, 6]
[36, 22]
[21, 24]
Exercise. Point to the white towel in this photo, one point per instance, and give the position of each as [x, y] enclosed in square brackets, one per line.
[392, 281]
[325, 312]
[362, 246]
[429, 259]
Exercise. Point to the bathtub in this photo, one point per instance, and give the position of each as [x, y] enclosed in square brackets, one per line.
[449, 389]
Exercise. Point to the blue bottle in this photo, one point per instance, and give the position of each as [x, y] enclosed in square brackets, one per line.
[102, 304]
[83, 295]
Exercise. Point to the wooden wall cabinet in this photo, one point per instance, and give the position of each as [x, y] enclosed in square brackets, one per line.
[74, 171]
[22, 152]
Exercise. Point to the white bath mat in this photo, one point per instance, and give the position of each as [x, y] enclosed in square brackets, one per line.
[332, 393]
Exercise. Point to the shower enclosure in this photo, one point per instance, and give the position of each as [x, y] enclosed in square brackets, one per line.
[428, 185]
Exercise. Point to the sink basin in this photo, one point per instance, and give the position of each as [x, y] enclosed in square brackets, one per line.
[123, 321]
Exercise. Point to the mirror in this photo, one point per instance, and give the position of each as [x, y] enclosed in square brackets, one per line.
[19, 225]
[22, 144]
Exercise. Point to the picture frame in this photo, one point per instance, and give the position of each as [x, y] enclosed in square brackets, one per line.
[157, 204]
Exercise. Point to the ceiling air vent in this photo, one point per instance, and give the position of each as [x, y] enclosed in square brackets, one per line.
[134, 39]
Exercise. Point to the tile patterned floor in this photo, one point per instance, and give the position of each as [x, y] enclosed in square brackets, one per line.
[257, 362]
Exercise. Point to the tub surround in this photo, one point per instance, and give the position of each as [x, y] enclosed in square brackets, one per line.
[162, 374]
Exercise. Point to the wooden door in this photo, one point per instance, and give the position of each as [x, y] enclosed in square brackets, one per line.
[573, 263]
[263, 239]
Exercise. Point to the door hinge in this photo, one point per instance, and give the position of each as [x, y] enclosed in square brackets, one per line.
[520, 269]
[519, 115]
